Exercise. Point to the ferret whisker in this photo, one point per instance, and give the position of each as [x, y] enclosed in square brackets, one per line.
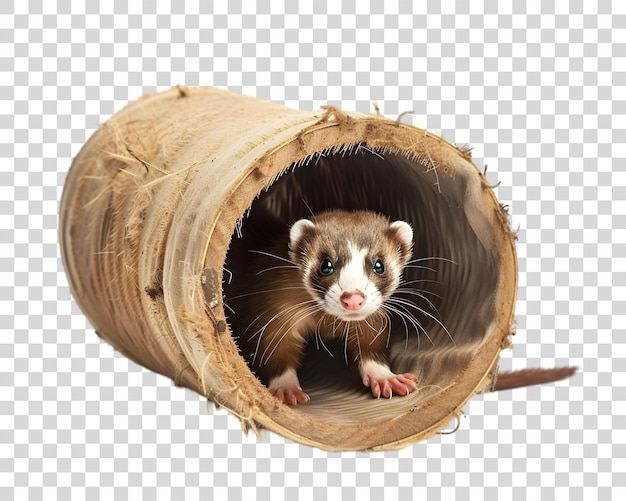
[410, 304]
[414, 324]
[420, 294]
[291, 322]
[269, 254]
[251, 324]
[432, 258]
[266, 291]
[403, 301]
[393, 309]
[382, 314]
[358, 335]
[404, 313]
[345, 334]
[440, 323]
[230, 275]
[334, 326]
[402, 309]
[301, 312]
[404, 306]
[403, 287]
[417, 267]
[411, 264]
[411, 282]
[320, 290]
[274, 317]
[262, 329]
[318, 336]
[276, 268]
[387, 325]
[368, 324]
[256, 348]
[421, 310]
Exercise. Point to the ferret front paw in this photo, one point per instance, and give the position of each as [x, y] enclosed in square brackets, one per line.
[290, 396]
[400, 384]
[286, 388]
[384, 383]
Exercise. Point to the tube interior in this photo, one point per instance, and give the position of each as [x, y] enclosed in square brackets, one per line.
[450, 285]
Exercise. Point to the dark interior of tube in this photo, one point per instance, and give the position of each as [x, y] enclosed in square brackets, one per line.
[451, 283]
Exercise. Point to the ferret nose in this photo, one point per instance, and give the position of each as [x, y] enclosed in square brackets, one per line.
[352, 301]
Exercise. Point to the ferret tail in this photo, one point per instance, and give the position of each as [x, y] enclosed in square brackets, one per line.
[529, 377]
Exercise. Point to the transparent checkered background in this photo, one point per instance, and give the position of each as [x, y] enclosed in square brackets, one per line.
[539, 90]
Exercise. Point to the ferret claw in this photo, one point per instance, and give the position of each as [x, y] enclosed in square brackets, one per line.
[399, 384]
[290, 396]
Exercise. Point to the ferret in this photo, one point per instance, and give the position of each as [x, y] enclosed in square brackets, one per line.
[341, 268]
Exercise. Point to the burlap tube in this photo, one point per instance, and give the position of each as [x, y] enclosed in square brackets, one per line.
[156, 198]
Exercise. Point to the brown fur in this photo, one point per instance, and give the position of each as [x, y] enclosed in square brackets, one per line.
[528, 377]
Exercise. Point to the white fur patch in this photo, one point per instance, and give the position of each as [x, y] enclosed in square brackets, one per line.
[352, 277]
[287, 380]
[405, 232]
[298, 229]
[376, 370]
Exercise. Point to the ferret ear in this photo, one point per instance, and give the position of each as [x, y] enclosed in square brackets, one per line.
[404, 232]
[299, 230]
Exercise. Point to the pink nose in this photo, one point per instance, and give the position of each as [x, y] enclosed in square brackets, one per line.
[352, 301]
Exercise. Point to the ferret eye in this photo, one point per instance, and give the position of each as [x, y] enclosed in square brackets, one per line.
[379, 267]
[326, 267]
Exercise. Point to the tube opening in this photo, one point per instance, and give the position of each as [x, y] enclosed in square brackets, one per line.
[442, 311]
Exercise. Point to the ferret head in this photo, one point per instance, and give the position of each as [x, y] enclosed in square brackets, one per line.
[350, 262]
